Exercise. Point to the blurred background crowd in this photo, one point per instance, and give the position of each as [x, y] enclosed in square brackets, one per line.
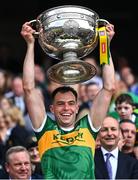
[15, 126]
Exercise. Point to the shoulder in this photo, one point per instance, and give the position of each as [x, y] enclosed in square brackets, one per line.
[37, 176]
[4, 174]
[127, 158]
[98, 152]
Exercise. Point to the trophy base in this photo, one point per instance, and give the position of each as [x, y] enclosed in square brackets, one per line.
[71, 72]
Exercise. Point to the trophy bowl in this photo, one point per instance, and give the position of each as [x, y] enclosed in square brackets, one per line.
[68, 33]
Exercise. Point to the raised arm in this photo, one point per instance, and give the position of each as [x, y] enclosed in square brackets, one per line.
[33, 97]
[102, 100]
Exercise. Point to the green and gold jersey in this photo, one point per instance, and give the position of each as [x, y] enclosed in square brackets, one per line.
[67, 154]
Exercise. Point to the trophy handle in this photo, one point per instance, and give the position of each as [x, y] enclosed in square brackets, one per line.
[34, 23]
[102, 22]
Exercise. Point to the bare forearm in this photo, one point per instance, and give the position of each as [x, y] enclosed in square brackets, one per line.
[33, 96]
[28, 68]
[108, 74]
[102, 100]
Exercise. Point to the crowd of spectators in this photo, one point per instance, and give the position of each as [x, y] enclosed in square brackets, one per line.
[15, 125]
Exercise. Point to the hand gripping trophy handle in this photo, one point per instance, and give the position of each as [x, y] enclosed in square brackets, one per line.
[33, 23]
[102, 22]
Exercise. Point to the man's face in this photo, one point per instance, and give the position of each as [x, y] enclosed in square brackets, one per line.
[129, 133]
[19, 166]
[109, 134]
[34, 154]
[92, 91]
[124, 110]
[65, 108]
[17, 86]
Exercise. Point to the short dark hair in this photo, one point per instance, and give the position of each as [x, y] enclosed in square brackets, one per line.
[92, 83]
[64, 89]
[124, 98]
[31, 141]
[126, 121]
[136, 142]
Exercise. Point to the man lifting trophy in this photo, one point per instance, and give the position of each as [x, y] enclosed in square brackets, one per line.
[66, 144]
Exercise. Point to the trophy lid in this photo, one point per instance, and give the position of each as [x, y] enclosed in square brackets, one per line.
[68, 8]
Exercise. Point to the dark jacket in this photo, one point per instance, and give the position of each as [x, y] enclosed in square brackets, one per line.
[5, 175]
[127, 167]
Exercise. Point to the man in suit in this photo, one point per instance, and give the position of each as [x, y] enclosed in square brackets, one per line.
[18, 164]
[123, 166]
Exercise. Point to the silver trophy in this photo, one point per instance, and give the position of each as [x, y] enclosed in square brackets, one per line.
[68, 33]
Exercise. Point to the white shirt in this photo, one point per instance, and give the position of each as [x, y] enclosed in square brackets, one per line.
[113, 159]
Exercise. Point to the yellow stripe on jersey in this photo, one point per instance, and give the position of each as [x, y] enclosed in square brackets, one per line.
[53, 139]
